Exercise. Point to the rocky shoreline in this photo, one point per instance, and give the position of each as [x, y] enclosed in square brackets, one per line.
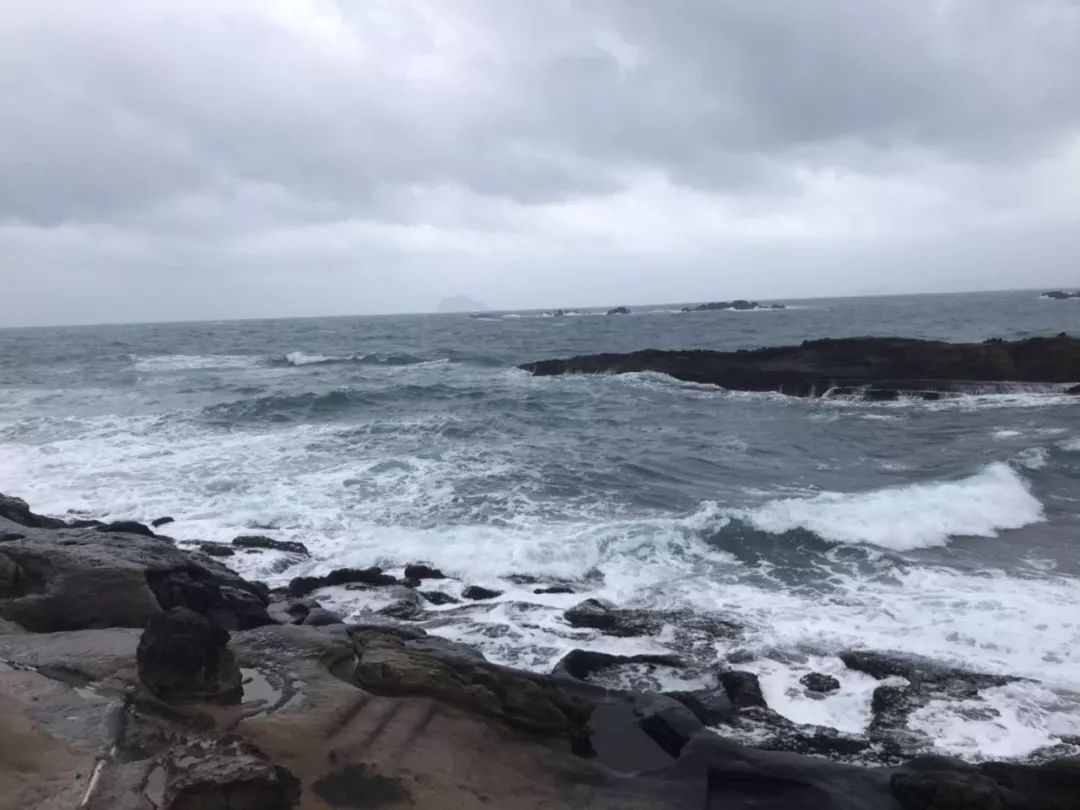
[137, 673]
[873, 368]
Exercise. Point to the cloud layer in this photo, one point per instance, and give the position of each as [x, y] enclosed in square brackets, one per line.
[168, 160]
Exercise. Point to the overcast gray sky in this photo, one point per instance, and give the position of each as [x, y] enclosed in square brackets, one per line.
[165, 160]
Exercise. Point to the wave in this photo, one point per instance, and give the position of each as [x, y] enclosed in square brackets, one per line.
[908, 517]
[192, 362]
[393, 359]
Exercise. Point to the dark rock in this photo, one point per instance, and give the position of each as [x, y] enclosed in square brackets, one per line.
[616, 739]
[126, 527]
[182, 657]
[743, 689]
[886, 366]
[12, 579]
[619, 311]
[1061, 295]
[412, 582]
[230, 774]
[261, 542]
[320, 617]
[711, 706]
[580, 664]
[18, 511]
[85, 523]
[82, 579]
[341, 576]
[161, 521]
[671, 724]
[918, 670]
[8, 536]
[737, 304]
[216, 550]
[819, 682]
[420, 571]
[554, 589]
[386, 665]
[439, 598]
[343, 787]
[406, 607]
[475, 592]
[613, 621]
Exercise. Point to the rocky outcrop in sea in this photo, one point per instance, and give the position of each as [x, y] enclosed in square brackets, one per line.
[137, 673]
[873, 368]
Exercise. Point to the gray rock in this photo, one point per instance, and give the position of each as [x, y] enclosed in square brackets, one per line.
[126, 527]
[580, 664]
[421, 571]
[161, 521]
[18, 511]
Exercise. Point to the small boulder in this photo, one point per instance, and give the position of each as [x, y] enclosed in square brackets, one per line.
[126, 527]
[269, 544]
[216, 550]
[182, 657]
[619, 311]
[554, 589]
[161, 521]
[421, 571]
[743, 689]
[475, 592]
[84, 523]
[819, 682]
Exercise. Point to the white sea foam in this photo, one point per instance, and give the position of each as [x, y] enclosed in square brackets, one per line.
[303, 359]
[192, 362]
[1004, 722]
[908, 517]
[1071, 445]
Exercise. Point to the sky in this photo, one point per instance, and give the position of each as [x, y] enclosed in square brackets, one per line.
[206, 159]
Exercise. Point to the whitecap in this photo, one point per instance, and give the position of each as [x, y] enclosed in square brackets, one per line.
[908, 517]
[192, 362]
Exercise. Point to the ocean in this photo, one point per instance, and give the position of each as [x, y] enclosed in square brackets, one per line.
[949, 529]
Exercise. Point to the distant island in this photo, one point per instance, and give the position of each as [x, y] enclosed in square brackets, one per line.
[738, 304]
[1061, 295]
[460, 303]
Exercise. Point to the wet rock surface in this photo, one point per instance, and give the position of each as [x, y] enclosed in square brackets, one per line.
[269, 544]
[876, 368]
[374, 576]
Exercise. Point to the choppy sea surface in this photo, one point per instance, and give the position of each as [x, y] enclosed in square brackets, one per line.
[949, 529]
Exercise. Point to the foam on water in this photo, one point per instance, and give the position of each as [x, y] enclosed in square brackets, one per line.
[189, 362]
[909, 517]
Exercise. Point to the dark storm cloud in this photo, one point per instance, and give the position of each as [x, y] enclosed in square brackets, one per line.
[302, 134]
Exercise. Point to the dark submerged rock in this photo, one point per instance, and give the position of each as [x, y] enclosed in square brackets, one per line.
[261, 542]
[477, 593]
[216, 550]
[888, 367]
[554, 589]
[161, 521]
[421, 571]
[819, 682]
[374, 576]
[743, 689]
[182, 657]
[619, 311]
